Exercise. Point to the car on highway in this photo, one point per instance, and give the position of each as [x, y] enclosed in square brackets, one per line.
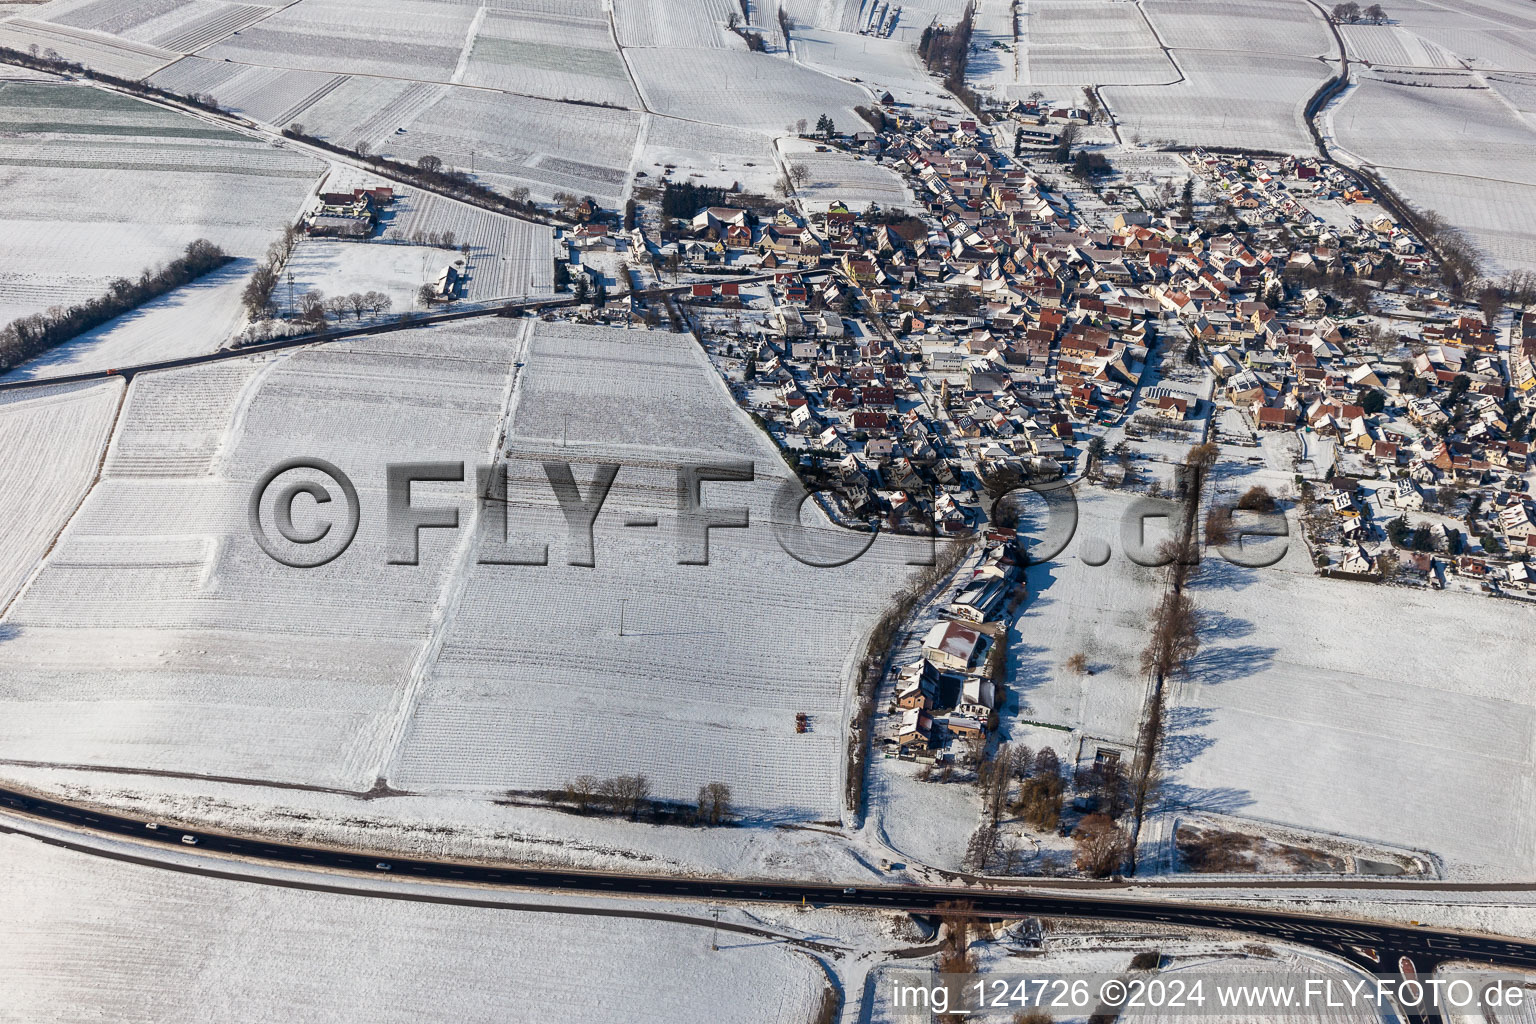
[153, 826]
[189, 840]
[383, 865]
[849, 891]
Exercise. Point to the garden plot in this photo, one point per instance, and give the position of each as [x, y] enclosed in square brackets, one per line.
[413, 39]
[1291, 27]
[674, 24]
[160, 636]
[533, 683]
[508, 258]
[557, 57]
[746, 90]
[104, 53]
[195, 318]
[546, 146]
[838, 177]
[1442, 128]
[1235, 100]
[95, 186]
[53, 440]
[1368, 711]
[144, 944]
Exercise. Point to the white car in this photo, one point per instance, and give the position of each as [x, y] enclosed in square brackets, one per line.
[189, 840]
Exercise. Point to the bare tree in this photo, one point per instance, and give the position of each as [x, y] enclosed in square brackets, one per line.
[362, 147]
[1175, 636]
[430, 164]
[1102, 846]
[426, 295]
[1021, 761]
[312, 306]
[1078, 664]
[358, 303]
[714, 803]
[378, 302]
[625, 794]
[582, 792]
[337, 306]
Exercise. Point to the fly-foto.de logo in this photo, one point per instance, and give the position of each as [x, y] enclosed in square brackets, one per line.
[306, 512]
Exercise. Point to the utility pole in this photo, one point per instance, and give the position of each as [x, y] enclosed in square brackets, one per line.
[714, 934]
[621, 615]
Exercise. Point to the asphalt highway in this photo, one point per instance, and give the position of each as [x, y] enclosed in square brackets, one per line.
[1375, 947]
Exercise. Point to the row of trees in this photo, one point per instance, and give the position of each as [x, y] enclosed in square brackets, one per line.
[628, 795]
[29, 336]
[257, 296]
[947, 51]
[1352, 14]
[314, 307]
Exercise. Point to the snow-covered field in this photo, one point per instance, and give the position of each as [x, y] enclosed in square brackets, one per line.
[114, 56]
[278, 96]
[86, 936]
[496, 676]
[533, 683]
[556, 56]
[676, 23]
[1286, 27]
[720, 155]
[1083, 42]
[1446, 123]
[158, 635]
[1449, 143]
[1101, 612]
[740, 89]
[53, 440]
[191, 320]
[1226, 99]
[95, 186]
[413, 39]
[508, 140]
[1363, 710]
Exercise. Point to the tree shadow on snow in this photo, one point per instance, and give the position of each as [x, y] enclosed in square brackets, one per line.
[1229, 664]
